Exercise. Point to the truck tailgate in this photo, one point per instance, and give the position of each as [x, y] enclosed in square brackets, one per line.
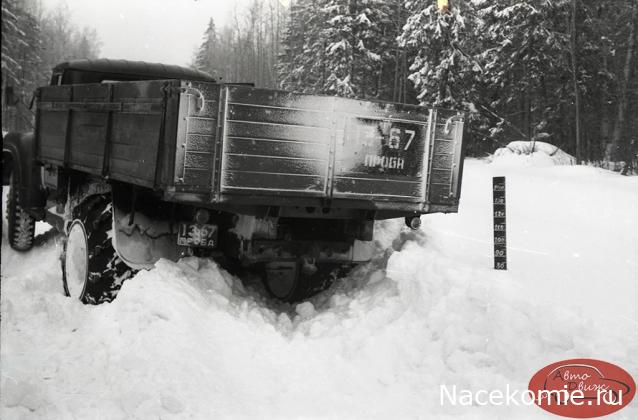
[275, 143]
[291, 144]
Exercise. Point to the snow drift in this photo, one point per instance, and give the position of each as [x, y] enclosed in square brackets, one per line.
[532, 153]
[188, 340]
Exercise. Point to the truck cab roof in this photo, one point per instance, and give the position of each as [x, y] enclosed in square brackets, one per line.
[103, 69]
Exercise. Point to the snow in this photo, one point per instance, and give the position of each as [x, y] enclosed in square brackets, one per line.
[530, 153]
[188, 340]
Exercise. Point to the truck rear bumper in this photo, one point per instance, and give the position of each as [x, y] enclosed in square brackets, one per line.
[228, 202]
[263, 250]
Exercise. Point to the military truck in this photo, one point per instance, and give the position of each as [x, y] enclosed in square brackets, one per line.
[134, 162]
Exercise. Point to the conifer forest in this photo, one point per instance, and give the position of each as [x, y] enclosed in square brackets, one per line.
[560, 71]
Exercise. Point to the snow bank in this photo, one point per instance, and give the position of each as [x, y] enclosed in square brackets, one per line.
[188, 340]
[529, 153]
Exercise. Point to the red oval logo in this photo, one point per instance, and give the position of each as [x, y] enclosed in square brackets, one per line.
[582, 388]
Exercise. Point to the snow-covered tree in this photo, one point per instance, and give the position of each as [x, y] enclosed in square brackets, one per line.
[246, 48]
[302, 65]
[207, 59]
[440, 41]
[341, 47]
[21, 58]
[32, 43]
[527, 64]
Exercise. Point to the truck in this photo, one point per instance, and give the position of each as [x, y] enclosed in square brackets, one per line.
[136, 161]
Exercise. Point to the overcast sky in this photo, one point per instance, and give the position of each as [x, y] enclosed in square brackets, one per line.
[165, 31]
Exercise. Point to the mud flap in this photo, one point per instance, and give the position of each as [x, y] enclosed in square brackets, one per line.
[362, 251]
[281, 278]
[140, 241]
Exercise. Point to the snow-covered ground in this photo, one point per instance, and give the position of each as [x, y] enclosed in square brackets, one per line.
[186, 340]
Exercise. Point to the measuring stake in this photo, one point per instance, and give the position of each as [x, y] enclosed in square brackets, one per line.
[500, 241]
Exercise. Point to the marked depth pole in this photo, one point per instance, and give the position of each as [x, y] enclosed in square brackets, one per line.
[500, 241]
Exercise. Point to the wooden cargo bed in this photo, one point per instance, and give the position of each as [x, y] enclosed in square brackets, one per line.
[217, 143]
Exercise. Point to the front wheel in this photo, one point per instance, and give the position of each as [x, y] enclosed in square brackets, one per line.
[20, 224]
[91, 270]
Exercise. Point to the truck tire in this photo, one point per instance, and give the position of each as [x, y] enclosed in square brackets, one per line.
[21, 225]
[91, 270]
[293, 286]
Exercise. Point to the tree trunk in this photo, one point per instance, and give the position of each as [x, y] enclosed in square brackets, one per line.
[616, 140]
[575, 82]
[604, 107]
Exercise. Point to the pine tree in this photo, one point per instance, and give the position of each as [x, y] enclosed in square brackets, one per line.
[526, 52]
[20, 64]
[340, 47]
[207, 54]
[302, 65]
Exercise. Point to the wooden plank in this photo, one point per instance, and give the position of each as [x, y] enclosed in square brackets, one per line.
[442, 176]
[141, 134]
[278, 132]
[249, 182]
[199, 143]
[196, 177]
[87, 126]
[439, 194]
[91, 93]
[279, 116]
[202, 126]
[444, 161]
[52, 130]
[89, 160]
[297, 101]
[443, 146]
[123, 107]
[198, 160]
[345, 186]
[136, 170]
[55, 93]
[254, 164]
[136, 129]
[442, 134]
[277, 98]
[381, 110]
[125, 151]
[49, 154]
[265, 147]
[137, 91]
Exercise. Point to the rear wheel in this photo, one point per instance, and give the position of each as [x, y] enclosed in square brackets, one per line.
[91, 270]
[20, 224]
[296, 281]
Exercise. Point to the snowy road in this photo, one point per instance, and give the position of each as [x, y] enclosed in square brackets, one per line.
[187, 341]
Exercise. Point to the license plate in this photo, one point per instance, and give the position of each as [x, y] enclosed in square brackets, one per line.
[383, 147]
[192, 234]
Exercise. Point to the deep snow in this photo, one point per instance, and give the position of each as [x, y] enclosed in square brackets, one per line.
[186, 340]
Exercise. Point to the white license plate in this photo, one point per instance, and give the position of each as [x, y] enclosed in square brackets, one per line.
[193, 234]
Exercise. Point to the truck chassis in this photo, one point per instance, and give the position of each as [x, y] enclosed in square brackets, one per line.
[136, 162]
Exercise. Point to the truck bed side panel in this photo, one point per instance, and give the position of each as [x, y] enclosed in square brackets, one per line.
[275, 143]
[197, 135]
[445, 159]
[111, 128]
